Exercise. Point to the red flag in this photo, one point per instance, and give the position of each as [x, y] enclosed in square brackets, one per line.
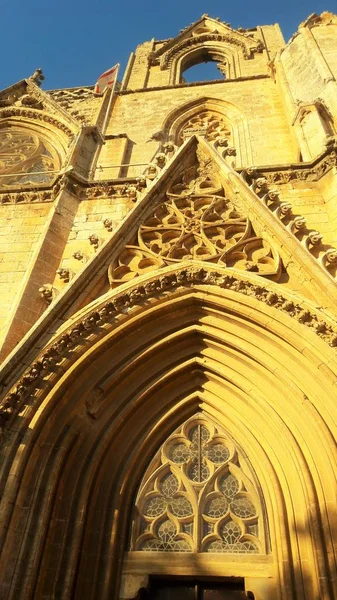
[106, 80]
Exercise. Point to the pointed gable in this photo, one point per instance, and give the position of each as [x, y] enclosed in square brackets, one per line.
[198, 208]
[204, 30]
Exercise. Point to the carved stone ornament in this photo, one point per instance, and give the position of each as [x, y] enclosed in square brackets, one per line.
[195, 221]
[66, 348]
[64, 274]
[246, 44]
[206, 124]
[47, 292]
[33, 114]
[296, 224]
[26, 158]
[196, 498]
[94, 240]
[26, 197]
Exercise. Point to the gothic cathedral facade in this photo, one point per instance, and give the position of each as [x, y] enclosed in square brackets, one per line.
[169, 324]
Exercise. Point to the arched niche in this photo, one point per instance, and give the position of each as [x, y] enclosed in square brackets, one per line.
[30, 152]
[77, 454]
[230, 122]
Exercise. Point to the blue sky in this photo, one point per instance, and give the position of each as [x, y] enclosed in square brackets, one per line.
[74, 41]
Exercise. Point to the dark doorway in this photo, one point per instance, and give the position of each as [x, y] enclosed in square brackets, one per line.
[195, 589]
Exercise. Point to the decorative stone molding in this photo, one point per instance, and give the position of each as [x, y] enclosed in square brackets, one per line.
[296, 224]
[192, 84]
[90, 328]
[38, 115]
[84, 189]
[38, 195]
[246, 44]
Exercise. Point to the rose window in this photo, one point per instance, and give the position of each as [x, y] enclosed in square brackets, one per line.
[25, 158]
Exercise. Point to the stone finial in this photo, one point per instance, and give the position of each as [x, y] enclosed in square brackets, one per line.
[37, 77]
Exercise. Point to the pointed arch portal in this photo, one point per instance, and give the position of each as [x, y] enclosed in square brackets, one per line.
[76, 457]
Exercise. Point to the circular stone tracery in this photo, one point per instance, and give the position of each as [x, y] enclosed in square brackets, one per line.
[25, 157]
[196, 488]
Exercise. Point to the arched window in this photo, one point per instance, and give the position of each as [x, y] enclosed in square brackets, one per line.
[198, 495]
[207, 124]
[26, 157]
[204, 71]
[205, 64]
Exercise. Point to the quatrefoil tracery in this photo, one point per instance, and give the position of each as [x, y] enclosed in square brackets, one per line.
[194, 498]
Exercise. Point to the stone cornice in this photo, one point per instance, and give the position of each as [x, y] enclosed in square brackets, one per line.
[192, 84]
[310, 171]
[85, 189]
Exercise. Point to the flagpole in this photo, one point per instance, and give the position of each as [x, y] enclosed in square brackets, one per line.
[107, 114]
[102, 129]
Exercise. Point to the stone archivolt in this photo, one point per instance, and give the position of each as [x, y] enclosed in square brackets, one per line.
[66, 348]
[194, 498]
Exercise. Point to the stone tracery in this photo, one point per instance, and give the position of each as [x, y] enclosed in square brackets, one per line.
[25, 158]
[194, 497]
[207, 124]
[195, 221]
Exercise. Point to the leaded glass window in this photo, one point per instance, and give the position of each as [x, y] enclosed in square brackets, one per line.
[198, 496]
[25, 157]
